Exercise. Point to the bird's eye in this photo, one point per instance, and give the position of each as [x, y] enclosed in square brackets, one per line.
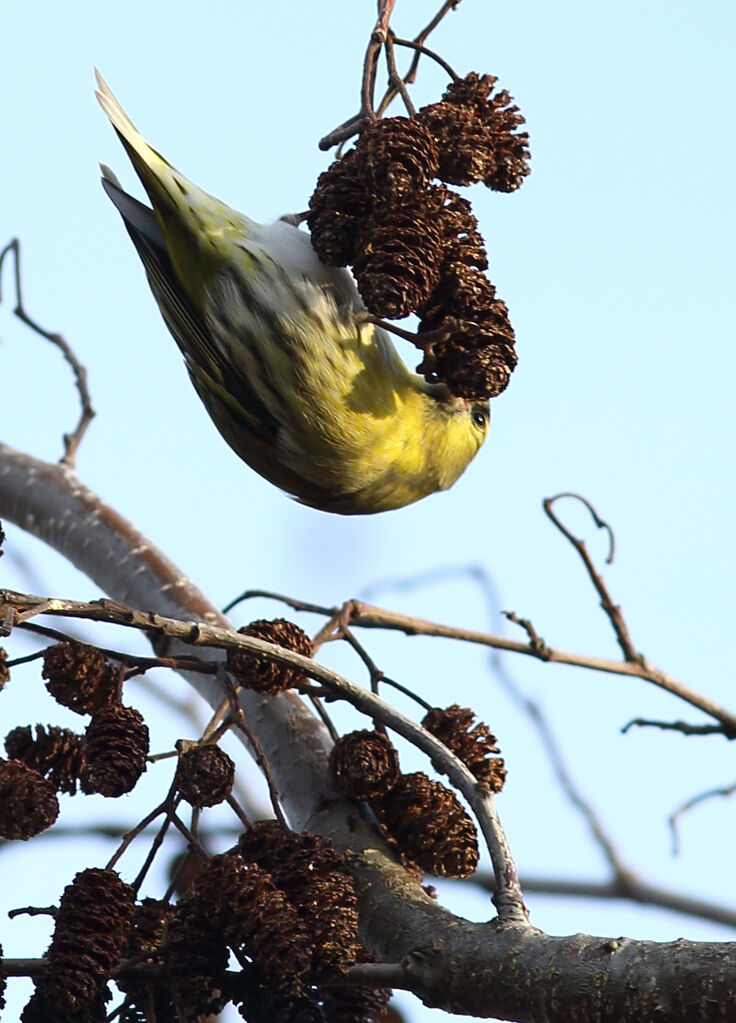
[480, 418]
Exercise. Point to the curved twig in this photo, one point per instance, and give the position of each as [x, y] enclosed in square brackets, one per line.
[87, 413]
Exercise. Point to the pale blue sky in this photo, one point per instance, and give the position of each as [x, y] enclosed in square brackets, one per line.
[616, 259]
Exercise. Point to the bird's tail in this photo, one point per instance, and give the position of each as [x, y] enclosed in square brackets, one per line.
[195, 225]
[156, 174]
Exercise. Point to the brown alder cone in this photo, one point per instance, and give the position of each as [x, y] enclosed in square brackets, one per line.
[475, 745]
[144, 946]
[40, 1010]
[337, 208]
[465, 143]
[430, 826]
[397, 262]
[462, 242]
[364, 764]
[501, 118]
[196, 953]
[91, 932]
[55, 752]
[205, 775]
[264, 675]
[397, 158]
[255, 918]
[355, 1004]
[115, 748]
[4, 669]
[80, 677]
[315, 879]
[28, 803]
[260, 1000]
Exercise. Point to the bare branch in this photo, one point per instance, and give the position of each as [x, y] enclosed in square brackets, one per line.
[630, 888]
[612, 610]
[71, 440]
[367, 616]
[724, 792]
[679, 726]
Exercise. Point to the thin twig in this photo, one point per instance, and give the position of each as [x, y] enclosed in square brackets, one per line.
[394, 78]
[33, 911]
[292, 602]
[419, 49]
[129, 836]
[379, 38]
[723, 792]
[535, 640]
[572, 793]
[369, 617]
[425, 52]
[674, 726]
[137, 662]
[613, 611]
[71, 440]
[632, 889]
[261, 759]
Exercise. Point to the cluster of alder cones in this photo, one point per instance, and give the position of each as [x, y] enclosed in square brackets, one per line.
[413, 244]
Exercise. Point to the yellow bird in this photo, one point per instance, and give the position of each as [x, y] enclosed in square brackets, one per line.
[308, 393]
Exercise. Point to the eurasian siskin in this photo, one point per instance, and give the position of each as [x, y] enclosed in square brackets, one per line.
[302, 386]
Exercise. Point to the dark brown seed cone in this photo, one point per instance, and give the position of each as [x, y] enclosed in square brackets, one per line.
[28, 803]
[2, 539]
[261, 674]
[465, 143]
[473, 744]
[471, 91]
[354, 1004]
[364, 764]
[4, 669]
[464, 293]
[397, 157]
[54, 752]
[255, 918]
[473, 351]
[261, 1001]
[502, 119]
[40, 1010]
[334, 236]
[462, 242]
[147, 928]
[265, 843]
[430, 825]
[474, 361]
[196, 953]
[337, 208]
[398, 261]
[144, 944]
[90, 934]
[80, 677]
[115, 748]
[341, 188]
[314, 878]
[205, 775]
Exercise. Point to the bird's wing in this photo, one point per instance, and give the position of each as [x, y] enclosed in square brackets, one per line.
[182, 319]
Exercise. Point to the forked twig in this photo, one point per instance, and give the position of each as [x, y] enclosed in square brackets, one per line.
[71, 440]
[613, 611]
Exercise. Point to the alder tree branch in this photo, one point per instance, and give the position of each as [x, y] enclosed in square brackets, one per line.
[87, 413]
